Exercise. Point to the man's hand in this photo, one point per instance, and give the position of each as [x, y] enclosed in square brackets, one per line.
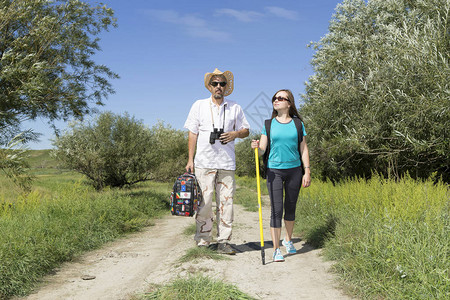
[190, 167]
[229, 136]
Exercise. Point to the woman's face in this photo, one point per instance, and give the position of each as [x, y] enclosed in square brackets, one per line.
[281, 101]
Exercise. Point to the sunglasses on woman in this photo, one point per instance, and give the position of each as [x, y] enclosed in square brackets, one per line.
[279, 99]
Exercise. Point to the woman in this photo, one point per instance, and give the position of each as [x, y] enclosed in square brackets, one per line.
[284, 167]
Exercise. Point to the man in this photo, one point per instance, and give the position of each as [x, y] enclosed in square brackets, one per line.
[214, 123]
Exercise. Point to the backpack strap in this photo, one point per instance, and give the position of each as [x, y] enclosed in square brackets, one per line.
[299, 126]
[267, 124]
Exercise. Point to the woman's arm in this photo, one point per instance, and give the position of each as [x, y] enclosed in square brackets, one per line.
[305, 161]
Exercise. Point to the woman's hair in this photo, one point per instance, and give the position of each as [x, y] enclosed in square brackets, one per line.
[292, 109]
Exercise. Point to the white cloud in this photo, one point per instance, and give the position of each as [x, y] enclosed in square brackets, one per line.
[282, 12]
[171, 16]
[204, 32]
[193, 25]
[198, 27]
[243, 16]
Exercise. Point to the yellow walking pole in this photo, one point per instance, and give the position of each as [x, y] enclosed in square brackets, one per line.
[258, 187]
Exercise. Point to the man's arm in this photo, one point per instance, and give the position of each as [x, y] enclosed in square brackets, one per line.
[192, 143]
[243, 133]
[232, 135]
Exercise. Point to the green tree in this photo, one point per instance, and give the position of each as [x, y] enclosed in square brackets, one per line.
[46, 66]
[379, 98]
[112, 151]
[13, 163]
[170, 152]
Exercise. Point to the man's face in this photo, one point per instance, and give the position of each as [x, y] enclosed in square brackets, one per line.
[217, 87]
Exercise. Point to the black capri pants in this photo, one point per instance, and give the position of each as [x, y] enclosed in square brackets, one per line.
[289, 180]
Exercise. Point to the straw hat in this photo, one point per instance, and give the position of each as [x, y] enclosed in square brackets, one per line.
[229, 77]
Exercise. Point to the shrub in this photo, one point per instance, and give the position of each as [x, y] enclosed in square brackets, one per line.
[112, 151]
[13, 163]
[245, 157]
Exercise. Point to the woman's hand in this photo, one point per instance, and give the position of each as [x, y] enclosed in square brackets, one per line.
[306, 178]
[255, 144]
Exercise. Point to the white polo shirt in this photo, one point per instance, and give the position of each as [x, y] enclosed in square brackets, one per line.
[200, 121]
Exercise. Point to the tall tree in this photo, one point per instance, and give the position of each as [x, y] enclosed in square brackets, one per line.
[46, 66]
[380, 96]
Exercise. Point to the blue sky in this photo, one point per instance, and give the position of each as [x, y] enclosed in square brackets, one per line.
[162, 50]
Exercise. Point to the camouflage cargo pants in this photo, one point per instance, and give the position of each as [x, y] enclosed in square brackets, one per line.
[223, 183]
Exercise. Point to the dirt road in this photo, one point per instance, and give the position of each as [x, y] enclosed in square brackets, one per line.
[127, 266]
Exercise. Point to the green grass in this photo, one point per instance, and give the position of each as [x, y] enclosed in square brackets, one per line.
[198, 253]
[391, 240]
[42, 159]
[190, 230]
[63, 217]
[246, 192]
[196, 287]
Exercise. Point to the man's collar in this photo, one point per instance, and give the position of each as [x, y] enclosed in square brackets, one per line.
[224, 101]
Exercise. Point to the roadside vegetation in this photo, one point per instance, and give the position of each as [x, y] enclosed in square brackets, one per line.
[390, 239]
[61, 218]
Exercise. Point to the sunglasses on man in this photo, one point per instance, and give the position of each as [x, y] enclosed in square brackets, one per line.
[215, 83]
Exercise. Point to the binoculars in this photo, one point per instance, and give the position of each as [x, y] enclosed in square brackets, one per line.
[215, 135]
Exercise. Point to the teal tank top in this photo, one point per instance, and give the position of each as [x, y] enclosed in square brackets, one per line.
[283, 145]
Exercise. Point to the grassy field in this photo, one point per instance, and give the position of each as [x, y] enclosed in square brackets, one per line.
[63, 217]
[390, 240]
[42, 159]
